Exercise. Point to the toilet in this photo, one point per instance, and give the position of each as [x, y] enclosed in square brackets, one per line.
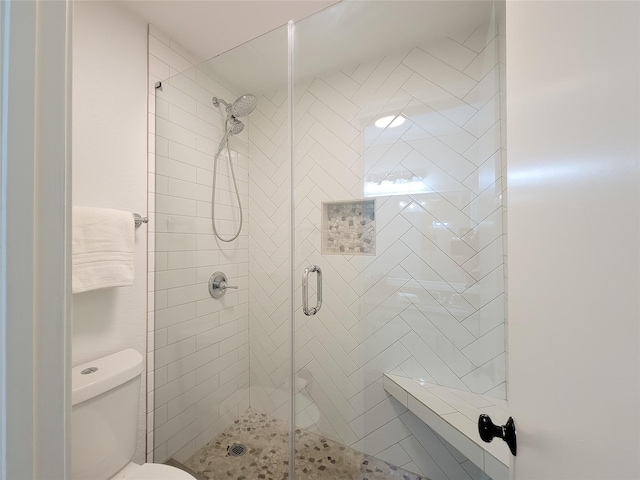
[104, 421]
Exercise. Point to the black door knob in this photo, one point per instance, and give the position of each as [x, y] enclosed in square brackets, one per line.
[488, 430]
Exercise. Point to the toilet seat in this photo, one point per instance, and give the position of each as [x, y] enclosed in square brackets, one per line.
[155, 471]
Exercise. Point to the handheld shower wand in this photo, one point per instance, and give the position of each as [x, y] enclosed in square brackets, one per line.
[242, 107]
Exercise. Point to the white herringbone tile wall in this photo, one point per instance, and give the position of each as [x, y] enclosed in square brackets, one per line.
[430, 303]
[198, 346]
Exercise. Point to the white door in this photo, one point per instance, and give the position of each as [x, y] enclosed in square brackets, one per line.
[35, 248]
[573, 82]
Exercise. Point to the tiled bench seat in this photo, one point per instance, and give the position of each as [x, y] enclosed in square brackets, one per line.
[453, 414]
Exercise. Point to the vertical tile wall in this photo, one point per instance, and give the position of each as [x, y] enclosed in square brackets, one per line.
[430, 304]
[199, 344]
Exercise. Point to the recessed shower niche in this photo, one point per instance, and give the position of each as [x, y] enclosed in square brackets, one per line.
[349, 227]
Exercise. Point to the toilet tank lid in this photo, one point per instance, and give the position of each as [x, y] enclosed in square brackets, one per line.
[104, 374]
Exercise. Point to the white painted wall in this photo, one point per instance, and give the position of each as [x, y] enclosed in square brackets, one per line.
[109, 168]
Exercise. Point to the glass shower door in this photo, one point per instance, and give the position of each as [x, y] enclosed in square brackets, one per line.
[221, 318]
[397, 188]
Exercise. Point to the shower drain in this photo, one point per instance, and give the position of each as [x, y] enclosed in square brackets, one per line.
[236, 450]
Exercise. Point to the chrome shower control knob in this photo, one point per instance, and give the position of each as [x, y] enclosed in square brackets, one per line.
[218, 285]
[222, 285]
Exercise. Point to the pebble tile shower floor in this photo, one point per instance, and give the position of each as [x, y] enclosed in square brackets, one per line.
[266, 440]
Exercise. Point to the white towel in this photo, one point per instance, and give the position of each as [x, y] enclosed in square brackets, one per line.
[102, 248]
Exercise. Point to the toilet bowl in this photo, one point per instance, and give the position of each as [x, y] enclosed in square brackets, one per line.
[152, 471]
[104, 421]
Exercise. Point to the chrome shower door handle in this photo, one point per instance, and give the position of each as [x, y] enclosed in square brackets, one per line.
[305, 290]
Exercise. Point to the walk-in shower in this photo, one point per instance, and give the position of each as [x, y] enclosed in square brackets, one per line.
[242, 107]
[404, 218]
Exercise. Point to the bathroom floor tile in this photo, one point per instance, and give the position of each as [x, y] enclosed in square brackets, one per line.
[266, 440]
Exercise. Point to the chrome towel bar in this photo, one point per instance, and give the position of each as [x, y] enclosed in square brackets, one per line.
[139, 220]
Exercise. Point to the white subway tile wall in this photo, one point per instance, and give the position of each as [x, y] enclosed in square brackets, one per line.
[198, 345]
[430, 304]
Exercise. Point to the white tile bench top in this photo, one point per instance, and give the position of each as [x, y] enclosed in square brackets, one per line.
[453, 414]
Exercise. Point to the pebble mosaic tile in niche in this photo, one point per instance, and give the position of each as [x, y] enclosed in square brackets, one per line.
[349, 228]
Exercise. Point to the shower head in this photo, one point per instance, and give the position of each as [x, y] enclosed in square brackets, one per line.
[234, 126]
[243, 106]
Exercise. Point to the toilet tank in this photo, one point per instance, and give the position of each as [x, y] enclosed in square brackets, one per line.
[104, 418]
